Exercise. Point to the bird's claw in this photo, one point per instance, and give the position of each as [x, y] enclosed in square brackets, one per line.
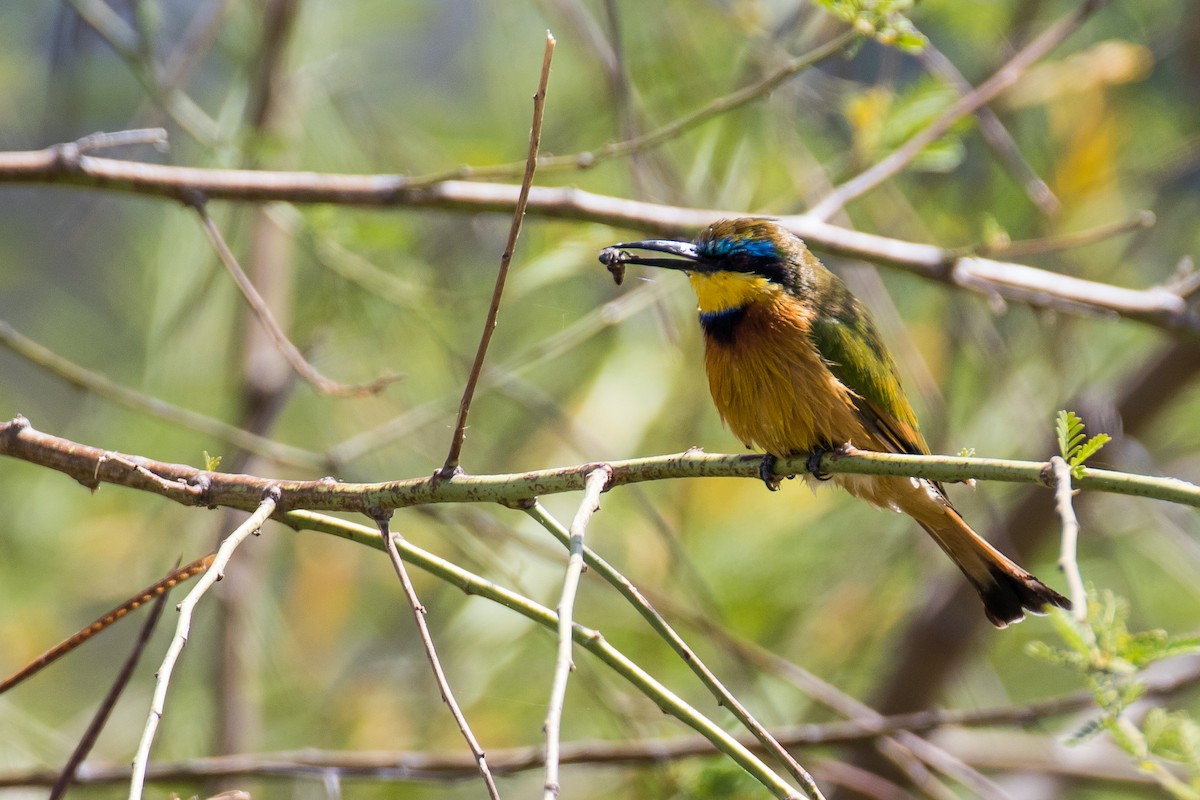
[766, 471]
[813, 464]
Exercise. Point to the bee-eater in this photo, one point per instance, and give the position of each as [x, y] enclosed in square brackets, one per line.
[795, 365]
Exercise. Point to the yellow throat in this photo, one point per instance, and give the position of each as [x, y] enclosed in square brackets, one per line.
[720, 291]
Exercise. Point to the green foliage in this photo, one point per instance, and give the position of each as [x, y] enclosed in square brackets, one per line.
[211, 462]
[1111, 658]
[883, 119]
[967, 452]
[1071, 446]
[883, 20]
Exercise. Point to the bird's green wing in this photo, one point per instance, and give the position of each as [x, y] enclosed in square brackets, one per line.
[846, 338]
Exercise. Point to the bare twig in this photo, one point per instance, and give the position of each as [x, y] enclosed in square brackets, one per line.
[129, 44]
[1158, 306]
[107, 388]
[726, 698]
[1049, 244]
[389, 540]
[88, 740]
[514, 230]
[1003, 79]
[1068, 560]
[665, 133]
[994, 133]
[588, 638]
[159, 589]
[157, 137]
[455, 765]
[903, 748]
[263, 314]
[250, 527]
[594, 485]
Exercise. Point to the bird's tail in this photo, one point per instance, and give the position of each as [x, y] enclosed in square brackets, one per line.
[1007, 591]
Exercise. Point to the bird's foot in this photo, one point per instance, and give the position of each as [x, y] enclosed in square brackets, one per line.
[766, 471]
[813, 464]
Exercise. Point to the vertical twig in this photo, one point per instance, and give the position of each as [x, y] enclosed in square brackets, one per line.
[723, 696]
[215, 572]
[596, 482]
[489, 326]
[418, 610]
[1067, 560]
[88, 740]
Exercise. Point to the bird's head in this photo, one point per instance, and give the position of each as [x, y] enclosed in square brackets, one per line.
[734, 262]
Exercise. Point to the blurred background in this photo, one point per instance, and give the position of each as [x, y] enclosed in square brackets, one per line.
[308, 642]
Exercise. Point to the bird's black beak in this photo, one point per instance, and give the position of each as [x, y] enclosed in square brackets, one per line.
[685, 256]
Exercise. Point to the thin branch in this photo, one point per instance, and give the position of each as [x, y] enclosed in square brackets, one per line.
[659, 624]
[156, 137]
[1003, 79]
[100, 718]
[590, 639]
[1157, 306]
[994, 133]
[131, 48]
[661, 135]
[594, 485]
[390, 540]
[108, 389]
[1049, 244]
[456, 766]
[251, 526]
[514, 230]
[902, 747]
[176, 577]
[1068, 560]
[187, 485]
[262, 313]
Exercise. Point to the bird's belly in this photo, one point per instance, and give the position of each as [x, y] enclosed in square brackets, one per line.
[783, 399]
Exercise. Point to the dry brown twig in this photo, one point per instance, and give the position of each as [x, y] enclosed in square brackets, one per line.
[439, 674]
[455, 765]
[176, 577]
[262, 313]
[1158, 306]
[489, 326]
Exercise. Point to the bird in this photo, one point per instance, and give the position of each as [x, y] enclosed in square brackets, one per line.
[796, 365]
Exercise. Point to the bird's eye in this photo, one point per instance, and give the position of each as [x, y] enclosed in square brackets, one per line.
[740, 262]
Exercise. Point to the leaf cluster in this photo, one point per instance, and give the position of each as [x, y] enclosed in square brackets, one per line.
[1111, 658]
[1075, 451]
[884, 20]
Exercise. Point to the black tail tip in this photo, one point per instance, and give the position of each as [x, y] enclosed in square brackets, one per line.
[1009, 595]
